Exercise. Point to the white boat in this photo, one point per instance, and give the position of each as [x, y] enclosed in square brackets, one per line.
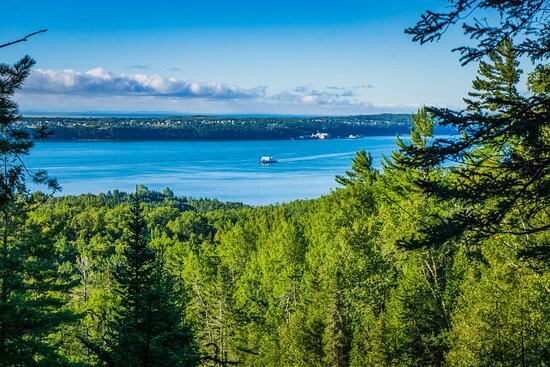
[267, 160]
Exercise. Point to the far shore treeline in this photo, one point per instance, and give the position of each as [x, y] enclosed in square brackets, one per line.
[219, 128]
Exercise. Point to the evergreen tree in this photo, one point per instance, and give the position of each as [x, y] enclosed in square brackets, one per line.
[148, 329]
[33, 290]
[336, 337]
[500, 174]
[361, 170]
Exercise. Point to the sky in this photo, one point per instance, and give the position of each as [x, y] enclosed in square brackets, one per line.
[336, 57]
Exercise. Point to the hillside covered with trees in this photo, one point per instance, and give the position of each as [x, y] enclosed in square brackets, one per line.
[217, 128]
[441, 258]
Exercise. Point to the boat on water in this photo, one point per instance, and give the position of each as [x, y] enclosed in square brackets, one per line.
[267, 160]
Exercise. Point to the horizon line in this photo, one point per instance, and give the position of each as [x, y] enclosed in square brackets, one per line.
[163, 114]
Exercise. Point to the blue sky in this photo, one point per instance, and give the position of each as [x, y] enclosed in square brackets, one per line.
[237, 57]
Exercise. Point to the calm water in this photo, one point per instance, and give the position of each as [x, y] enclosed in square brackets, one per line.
[226, 170]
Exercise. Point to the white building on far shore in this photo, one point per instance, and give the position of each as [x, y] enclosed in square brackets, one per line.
[322, 136]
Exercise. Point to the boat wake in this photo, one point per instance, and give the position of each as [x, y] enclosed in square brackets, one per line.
[319, 156]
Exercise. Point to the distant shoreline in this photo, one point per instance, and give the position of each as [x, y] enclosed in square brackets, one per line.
[203, 140]
[216, 128]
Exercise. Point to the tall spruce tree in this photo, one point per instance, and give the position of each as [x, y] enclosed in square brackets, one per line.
[336, 337]
[148, 329]
[500, 173]
[32, 290]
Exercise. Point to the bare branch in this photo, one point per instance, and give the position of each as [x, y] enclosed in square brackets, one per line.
[24, 39]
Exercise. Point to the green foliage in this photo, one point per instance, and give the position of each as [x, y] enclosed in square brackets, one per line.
[441, 259]
[538, 81]
[34, 292]
[147, 327]
[310, 283]
[34, 283]
[361, 170]
[499, 163]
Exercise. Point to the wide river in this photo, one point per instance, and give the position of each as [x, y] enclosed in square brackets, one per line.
[226, 170]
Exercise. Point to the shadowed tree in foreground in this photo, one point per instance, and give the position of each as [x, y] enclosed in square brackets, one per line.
[490, 23]
[500, 179]
[33, 292]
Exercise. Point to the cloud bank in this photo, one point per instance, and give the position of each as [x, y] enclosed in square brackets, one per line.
[100, 89]
[100, 82]
[333, 96]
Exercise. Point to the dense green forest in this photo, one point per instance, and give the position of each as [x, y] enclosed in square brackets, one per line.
[441, 258]
[219, 128]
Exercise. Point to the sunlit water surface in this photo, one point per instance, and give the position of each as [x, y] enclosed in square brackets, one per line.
[226, 170]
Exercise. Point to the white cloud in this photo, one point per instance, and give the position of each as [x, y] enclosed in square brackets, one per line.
[335, 96]
[100, 82]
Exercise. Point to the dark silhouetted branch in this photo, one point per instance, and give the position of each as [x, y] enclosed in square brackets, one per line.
[24, 39]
